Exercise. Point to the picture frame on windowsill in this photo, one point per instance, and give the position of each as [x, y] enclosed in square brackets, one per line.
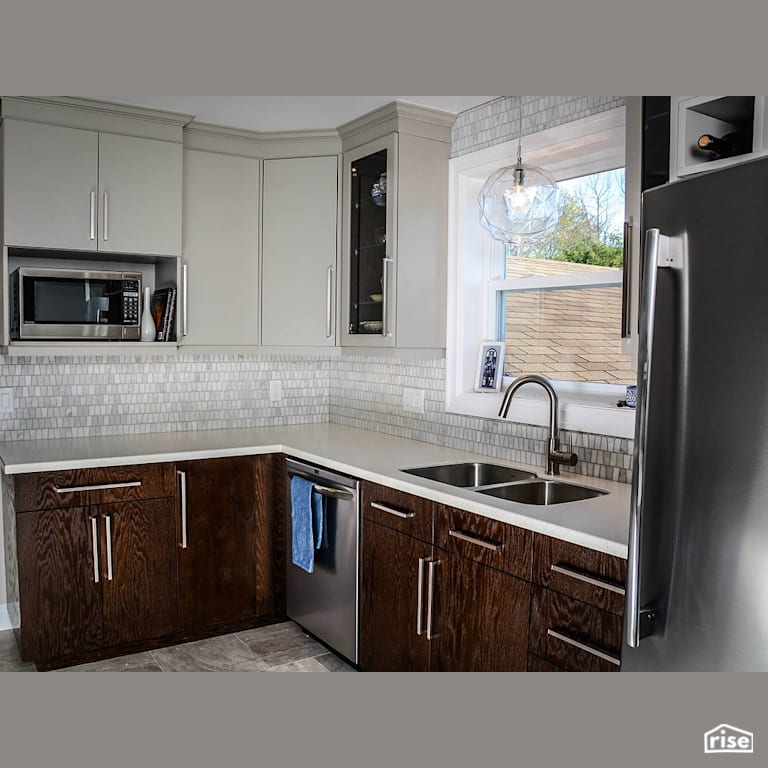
[490, 367]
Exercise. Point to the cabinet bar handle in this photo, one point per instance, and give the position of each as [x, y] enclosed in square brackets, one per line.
[494, 546]
[595, 582]
[105, 234]
[385, 298]
[329, 305]
[108, 523]
[183, 493]
[100, 487]
[95, 541]
[93, 215]
[431, 596]
[591, 649]
[420, 597]
[626, 278]
[185, 299]
[391, 511]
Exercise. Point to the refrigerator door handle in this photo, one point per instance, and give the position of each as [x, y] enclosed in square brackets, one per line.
[656, 255]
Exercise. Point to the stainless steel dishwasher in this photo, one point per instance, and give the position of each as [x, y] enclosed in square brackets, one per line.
[325, 602]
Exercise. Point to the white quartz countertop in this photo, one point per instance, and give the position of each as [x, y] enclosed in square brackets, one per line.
[600, 523]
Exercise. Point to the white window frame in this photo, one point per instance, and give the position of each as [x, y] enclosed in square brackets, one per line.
[578, 148]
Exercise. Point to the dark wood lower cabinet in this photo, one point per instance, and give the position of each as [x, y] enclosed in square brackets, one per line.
[59, 595]
[141, 597]
[225, 539]
[573, 635]
[389, 592]
[96, 576]
[481, 617]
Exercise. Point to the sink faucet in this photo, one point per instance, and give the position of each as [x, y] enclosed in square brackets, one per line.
[555, 457]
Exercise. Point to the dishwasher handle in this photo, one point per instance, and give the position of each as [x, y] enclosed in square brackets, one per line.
[333, 493]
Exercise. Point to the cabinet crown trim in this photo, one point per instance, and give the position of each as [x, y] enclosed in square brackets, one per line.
[211, 129]
[403, 113]
[103, 107]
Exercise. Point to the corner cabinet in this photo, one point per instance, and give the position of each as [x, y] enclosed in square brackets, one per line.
[395, 224]
[221, 249]
[261, 232]
[299, 245]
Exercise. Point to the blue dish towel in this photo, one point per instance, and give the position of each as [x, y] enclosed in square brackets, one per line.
[307, 520]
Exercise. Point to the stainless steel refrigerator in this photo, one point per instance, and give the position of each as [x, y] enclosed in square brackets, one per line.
[697, 588]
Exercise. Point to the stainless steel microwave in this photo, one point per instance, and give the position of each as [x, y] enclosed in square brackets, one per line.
[74, 304]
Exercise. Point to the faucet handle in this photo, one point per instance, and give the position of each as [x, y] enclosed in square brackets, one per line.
[562, 453]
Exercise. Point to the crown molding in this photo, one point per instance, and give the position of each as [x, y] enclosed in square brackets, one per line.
[112, 109]
[241, 134]
[393, 111]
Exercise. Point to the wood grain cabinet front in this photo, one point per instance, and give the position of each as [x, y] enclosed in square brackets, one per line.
[442, 605]
[225, 538]
[593, 577]
[400, 511]
[574, 635]
[393, 601]
[112, 558]
[97, 576]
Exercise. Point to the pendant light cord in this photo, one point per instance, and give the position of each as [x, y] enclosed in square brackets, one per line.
[520, 134]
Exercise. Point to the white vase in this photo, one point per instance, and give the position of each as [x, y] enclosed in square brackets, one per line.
[148, 329]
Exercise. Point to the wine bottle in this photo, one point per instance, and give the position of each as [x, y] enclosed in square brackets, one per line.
[729, 145]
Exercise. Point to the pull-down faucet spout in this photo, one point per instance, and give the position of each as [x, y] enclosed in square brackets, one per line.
[555, 457]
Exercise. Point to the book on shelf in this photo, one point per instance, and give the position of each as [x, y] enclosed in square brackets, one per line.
[162, 307]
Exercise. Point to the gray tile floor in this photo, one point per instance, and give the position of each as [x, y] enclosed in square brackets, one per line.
[276, 648]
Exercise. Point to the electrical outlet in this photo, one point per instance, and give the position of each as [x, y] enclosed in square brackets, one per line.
[6, 401]
[413, 400]
[275, 391]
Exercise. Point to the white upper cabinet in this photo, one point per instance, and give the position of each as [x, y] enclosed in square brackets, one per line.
[72, 189]
[50, 186]
[139, 195]
[221, 248]
[299, 246]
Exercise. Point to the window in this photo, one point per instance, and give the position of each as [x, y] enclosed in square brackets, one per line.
[557, 304]
[559, 299]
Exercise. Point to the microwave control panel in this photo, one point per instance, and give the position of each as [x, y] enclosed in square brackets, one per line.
[131, 293]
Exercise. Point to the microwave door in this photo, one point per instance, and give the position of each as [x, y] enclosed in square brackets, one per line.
[62, 307]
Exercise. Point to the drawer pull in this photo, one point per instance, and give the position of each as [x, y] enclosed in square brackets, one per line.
[591, 649]
[391, 511]
[102, 487]
[594, 581]
[494, 546]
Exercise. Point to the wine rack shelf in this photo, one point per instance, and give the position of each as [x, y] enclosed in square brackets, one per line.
[739, 120]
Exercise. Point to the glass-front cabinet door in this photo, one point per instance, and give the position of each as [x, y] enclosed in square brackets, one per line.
[369, 263]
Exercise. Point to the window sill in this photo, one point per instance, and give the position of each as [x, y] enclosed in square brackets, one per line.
[579, 411]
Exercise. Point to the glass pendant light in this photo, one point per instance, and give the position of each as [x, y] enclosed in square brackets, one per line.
[520, 202]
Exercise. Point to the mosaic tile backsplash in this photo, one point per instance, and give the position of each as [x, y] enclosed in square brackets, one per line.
[93, 396]
[499, 120]
[367, 392]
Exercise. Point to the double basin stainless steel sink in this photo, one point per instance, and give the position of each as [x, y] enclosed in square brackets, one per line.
[505, 483]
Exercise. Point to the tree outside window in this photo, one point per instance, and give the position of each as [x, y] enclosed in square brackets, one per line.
[560, 297]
